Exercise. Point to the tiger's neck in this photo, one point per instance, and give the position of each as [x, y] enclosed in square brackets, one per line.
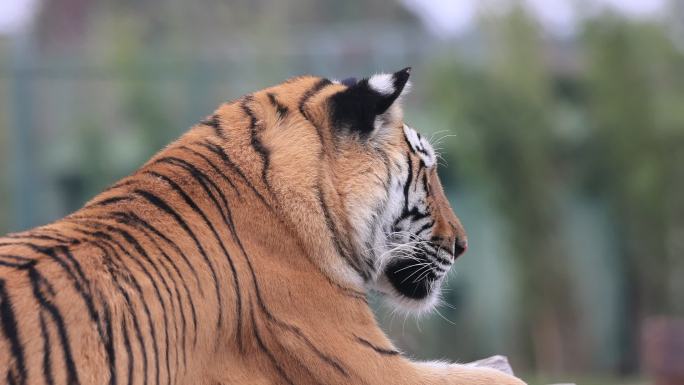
[296, 190]
[196, 205]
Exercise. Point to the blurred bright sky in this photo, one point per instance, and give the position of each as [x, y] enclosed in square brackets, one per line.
[445, 18]
[15, 14]
[452, 17]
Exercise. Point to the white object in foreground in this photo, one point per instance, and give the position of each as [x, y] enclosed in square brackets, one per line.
[499, 363]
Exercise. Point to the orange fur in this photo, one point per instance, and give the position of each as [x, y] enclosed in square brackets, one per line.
[214, 262]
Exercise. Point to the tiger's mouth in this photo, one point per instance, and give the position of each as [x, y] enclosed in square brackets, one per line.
[416, 276]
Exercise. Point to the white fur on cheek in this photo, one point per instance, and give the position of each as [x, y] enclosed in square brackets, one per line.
[372, 212]
[420, 145]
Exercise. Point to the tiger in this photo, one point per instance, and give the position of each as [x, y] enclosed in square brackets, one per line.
[243, 253]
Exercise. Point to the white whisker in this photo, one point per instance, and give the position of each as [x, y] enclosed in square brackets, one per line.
[444, 318]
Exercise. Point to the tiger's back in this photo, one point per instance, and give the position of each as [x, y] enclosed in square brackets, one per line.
[134, 285]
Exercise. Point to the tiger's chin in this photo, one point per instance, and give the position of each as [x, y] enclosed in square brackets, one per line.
[408, 289]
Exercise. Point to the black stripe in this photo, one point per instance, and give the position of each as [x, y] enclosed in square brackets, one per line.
[132, 218]
[408, 142]
[214, 122]
[82, 286]
[214, 167]
[105, 248]
[129, 349]
[11, 379]
[109, 346]
[322, 83]
[383, 351]
[426, 185]
[349, 292]
[131, 240]
[17, 372]
[41, 237]
[221, 153]
[17, 258]
[264, 309]
[39, 284]
[377, 211]
[47, 364]
[305, 374]
[295, 330]
[218, 150]
[426, 226]
[120, 272]
[414, 215]
[59, 236]
[441, 260]
[103, 325]
[421, 171]
[109, 201]
[422, 151]
[135, 218]
[388, 174]
[409, 180]
[336, 238]
[200, 178]
[263, 152]
[204, 181]
[265, 350]
[342, 250]
[78, 279]
[130, 279]
[165, 314]
[162, 205]
[143, 227]
[280, 108]
[30, 245]
[20, 265]
[419, 146]
[305, 98]
[147, 235]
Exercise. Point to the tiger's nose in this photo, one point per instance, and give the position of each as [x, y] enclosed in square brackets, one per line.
[460, 246]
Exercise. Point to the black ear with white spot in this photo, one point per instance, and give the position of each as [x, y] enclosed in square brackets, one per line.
[370, 102]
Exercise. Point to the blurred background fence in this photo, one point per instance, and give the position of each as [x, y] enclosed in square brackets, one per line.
[562, 124]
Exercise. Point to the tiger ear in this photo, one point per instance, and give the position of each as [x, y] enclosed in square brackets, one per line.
[370, 103]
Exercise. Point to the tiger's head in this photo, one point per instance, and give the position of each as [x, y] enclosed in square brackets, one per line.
[358, 184]
[404, 229]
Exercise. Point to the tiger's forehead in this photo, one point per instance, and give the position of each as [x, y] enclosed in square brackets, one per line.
[420, 145]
